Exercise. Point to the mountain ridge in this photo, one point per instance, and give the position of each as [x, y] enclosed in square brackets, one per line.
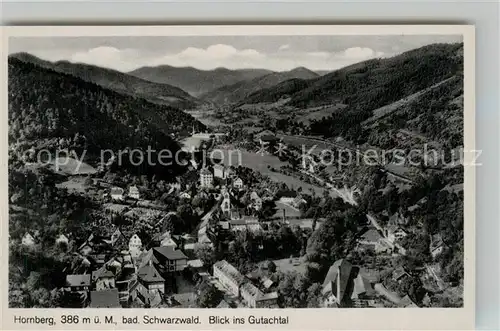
[196, 81]
[118, 81]
[238, 91]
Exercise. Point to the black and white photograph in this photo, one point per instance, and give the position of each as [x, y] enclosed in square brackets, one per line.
[236, 171]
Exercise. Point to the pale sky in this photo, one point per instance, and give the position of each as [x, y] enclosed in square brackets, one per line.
[233, 52]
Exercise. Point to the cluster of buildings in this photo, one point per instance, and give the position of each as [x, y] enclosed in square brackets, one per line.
[208, 174]
[116, 271]
[118, 194]
[239, 286]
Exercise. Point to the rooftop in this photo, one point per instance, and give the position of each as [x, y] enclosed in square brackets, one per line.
[150, 274]
[195, 263]
[371, 235]
[116, 191]
[105, 299]
[78, 280]
[102, 273]
[339, 271]
[205, 171]
[170, 253]
[230, 271]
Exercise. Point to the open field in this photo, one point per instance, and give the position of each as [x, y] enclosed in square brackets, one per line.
[290, 212]
[72, 166]
[260, 163]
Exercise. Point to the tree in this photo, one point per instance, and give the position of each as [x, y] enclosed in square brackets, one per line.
[208, 295]
[293, 290]
[271, 267]
[314, 295]
[205, 253]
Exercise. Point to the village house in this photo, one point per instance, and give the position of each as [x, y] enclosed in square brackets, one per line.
[266, 138]
[399, 274]
[254, 298]
[298, 201]
[103, 279]
[149, 276]
[223, 304]
[203, 236]
[78, 283]
[256, 201]
[345, 285]
[206, 178]
[229, 172]
[246, 223]
[28, 240]
[287, 197]
[395, 233]
[116, 194]
[238, 183]
[133, 192]
[135, 246]
[309, 165]
[266, 282]
[147, 298]
[104, 299]
[371, 239]
[185, 195]
[86, 248]
[164, 239]
[220, 171]
[170, 259]
[195, 265]
[62, 240]
[228, 276]
[116, 238]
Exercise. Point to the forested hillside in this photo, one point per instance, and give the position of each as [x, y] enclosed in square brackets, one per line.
[123, 83]
[196, 81]
[374, 83]
[237, 92]
[45, 105]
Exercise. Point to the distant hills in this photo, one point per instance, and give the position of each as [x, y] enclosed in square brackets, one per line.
[237, 92]
[196, 81]
[46, 105]
[156, 92]
[371, 83]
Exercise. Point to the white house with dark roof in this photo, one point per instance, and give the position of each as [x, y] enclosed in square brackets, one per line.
[228, 276]
[116, 193]
[436, 246]
[372, 239]
[133, 192]
[103, 279]
[135, 246]
[78, 282]
[256, 201]
[28, 240]
[344, 284]
[62, 239]
[171, 260]
[206, 178]
[220, 171]
[238, 183]
[150, 277]
[255, 298]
